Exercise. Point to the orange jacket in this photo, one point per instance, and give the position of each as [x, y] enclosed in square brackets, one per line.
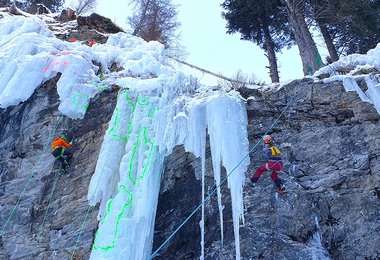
[59, 143]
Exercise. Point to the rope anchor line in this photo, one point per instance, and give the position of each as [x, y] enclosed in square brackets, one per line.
[210, 72]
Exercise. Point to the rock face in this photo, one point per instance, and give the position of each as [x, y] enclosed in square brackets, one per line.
[98, 22]
[86, 28]
[330, 142]
[47, 210]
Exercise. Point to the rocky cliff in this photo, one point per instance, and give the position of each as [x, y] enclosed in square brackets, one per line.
[330, 143]
[45, 209]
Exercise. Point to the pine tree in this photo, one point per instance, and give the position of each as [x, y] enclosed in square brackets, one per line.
[155, 20]
[348, 26]
[357, 25]
[321, 12]
[310, 57]
[262, 23]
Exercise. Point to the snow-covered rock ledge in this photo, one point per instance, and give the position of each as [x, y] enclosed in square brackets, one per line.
[354, 69]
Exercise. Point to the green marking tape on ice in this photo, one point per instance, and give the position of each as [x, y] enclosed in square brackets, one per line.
[112, 131]
[135, 149]
[152, 111]
[119, 216]
[141, 101]
[80, 97]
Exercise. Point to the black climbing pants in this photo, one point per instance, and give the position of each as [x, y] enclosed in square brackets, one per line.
[62, 155]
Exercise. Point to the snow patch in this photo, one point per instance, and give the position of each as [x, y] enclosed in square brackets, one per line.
[355, 64]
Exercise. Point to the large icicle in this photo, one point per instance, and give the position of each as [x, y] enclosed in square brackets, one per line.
[202, 222]
[351, 85]
[196, 143]
[103, 183]
[227, 123]
[373, 91]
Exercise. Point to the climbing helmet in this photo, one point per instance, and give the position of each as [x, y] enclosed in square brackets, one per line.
[64, 138]
[267, 139]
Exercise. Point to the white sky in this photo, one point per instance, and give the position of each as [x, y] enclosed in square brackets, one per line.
[208, 46]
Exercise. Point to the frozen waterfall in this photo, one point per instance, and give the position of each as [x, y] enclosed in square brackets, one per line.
[145, 127]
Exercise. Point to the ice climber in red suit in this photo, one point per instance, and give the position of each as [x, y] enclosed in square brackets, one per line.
[274, 164]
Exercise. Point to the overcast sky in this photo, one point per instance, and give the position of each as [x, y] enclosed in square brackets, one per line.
[204, 37]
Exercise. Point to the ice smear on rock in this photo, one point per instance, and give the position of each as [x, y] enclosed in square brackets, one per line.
[159, 118]
[318, 252]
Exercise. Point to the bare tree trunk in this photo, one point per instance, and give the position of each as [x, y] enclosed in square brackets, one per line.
[271, 55]
[142, 19]
[328, 40]
[310, 57]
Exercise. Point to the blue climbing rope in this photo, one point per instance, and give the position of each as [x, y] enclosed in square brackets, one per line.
[223, 181]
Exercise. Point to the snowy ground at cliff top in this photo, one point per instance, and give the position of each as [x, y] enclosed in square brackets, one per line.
[352, 65]
[29, 50]
[157, 109]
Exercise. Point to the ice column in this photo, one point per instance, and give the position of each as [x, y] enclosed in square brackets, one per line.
[227, 126]
[126, 227]
[196, 143]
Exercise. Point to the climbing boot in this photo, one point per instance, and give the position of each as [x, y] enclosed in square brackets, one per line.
[65, 164]
[281, 190]
[249, 185]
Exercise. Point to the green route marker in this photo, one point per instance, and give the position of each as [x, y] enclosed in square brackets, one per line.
[112, 131]
[119, 216]
[143, 102]
[152, 111]
[79, 97]
[135, 149]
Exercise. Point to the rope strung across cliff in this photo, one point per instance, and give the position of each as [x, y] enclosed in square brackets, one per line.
[30, 177]
[221, 183]
[210, 72]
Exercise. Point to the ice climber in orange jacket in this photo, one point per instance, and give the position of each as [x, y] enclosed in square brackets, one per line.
[58, 149]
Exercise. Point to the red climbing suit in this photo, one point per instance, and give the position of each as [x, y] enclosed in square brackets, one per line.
[269, 166]
[274, 165]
